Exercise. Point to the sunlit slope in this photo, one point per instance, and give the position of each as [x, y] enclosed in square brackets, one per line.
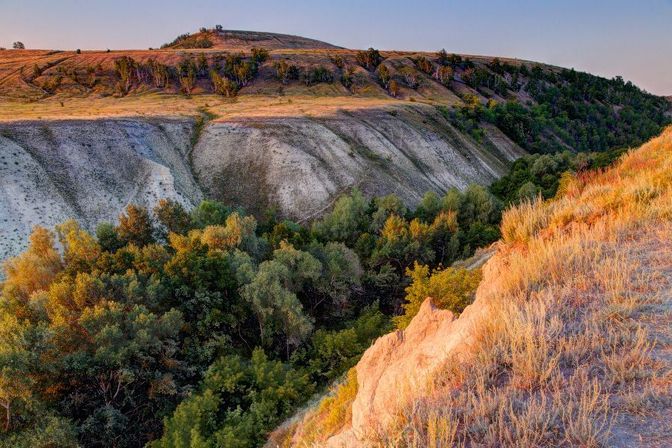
[568, 342]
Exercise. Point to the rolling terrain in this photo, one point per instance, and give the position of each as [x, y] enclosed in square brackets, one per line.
[80, 138]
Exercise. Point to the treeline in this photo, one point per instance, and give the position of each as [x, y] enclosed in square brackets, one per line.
[224, 73]
[566, 109]
[208, 327]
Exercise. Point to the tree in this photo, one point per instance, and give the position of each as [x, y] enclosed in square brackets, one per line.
[410, 76]
[424, 65]
[223, 85]
[450, 288]
[369, 59]
[18, 46]
[285, 71]
[339, 281]
[345, 221]
[209, 213]
[33, 270]
[80, 249]
[187, 71]
[240, 401]
[273, 295]
[125, 68]
[384, 75]
[394, 88]
[135, 226]
[259, 55]
[172, 216]
[107, 236]
[159, 73]
[442, 57]
[443, 74]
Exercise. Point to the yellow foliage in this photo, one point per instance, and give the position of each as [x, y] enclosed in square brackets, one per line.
[231, 235]
[395, 228]
[450, 288]
[34, 269]
[79, 247]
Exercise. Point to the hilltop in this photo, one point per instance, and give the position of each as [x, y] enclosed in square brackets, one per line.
[236, 40]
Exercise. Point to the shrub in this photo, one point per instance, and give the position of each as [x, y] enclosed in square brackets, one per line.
[125, 70]
[18, 46]
[369, 59]
[450, 288]
[285, 71]
[443, 74]
[394, 88]
[187, 71]
[259, 55]
[317, 75]
[337, 60]
[347, 77]
[424, 65]
[223, 85]
[410, 76]
[384, 75]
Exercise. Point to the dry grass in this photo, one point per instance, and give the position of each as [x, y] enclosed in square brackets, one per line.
[575, 331]
[330, 416]
[565, 348]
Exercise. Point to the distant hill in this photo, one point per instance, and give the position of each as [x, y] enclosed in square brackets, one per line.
[245, 40]
[292, 125]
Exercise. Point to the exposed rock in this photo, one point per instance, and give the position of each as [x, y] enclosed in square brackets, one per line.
[400, 366]
[88, 170]
[300, 164]
[92, 169]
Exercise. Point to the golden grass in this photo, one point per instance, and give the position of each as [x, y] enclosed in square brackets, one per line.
[169, 105]
[330, 416]
[566, 341]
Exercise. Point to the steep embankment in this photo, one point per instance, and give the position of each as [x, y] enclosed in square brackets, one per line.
[91, 169]
[300, 164]
[88, 170]
[567, 343]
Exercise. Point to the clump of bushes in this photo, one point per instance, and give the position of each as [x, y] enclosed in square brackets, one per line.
[369, 59]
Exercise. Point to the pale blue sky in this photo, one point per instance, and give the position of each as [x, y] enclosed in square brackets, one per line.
[606, 37]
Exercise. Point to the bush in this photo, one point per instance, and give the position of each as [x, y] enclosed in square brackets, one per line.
[285, 72]
[369, 59]
[317, 75]
[259, 55]
[451, 288]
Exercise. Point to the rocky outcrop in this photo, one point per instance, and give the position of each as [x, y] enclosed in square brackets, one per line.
[91, 170]
[300, 164]
[88, 170]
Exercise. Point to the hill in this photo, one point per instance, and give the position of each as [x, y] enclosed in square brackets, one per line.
[235, 40]
[292, 125]
[568, 341]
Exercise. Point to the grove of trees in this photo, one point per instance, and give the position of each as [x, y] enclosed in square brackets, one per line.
[207, 327]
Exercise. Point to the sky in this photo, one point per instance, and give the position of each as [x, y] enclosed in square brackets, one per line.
[605, 37]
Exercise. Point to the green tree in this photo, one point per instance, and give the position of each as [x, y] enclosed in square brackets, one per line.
[135, 226]
[450, 288]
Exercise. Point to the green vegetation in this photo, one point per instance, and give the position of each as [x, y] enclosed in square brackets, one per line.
[186, 41]
[542, 174]
[566, 110]
[207, 327]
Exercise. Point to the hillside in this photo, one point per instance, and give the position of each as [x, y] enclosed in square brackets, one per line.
[236, 40]
[567, 343]
[291, 127]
